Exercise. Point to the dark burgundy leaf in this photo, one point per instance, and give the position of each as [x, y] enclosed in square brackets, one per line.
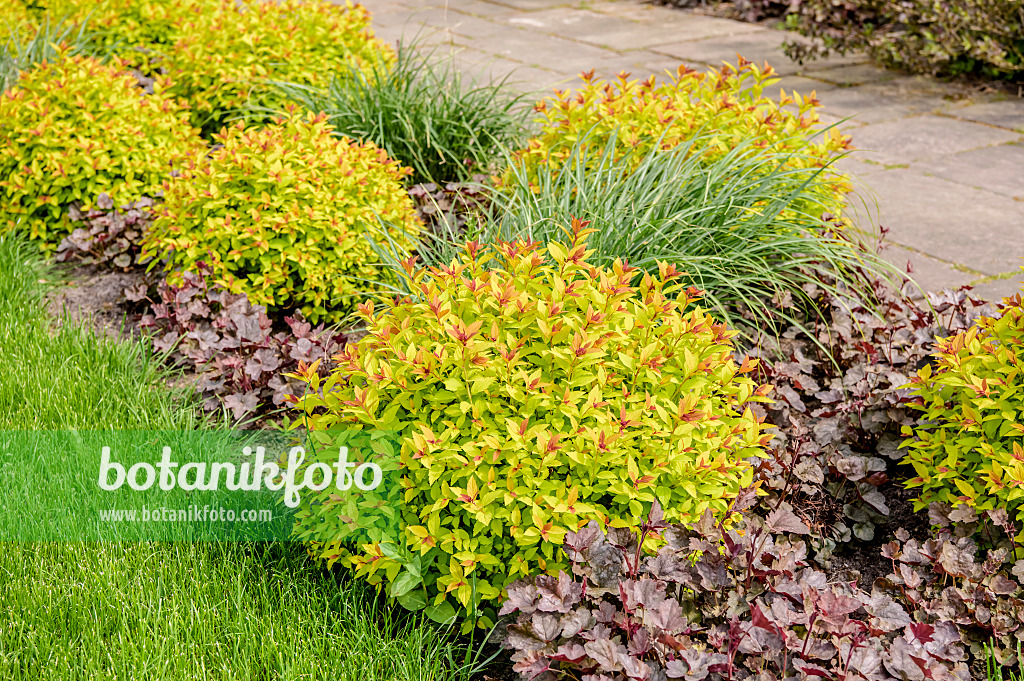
[607, 653]
[782, 520]
[241, 404]
[559, 594]
[522, 596]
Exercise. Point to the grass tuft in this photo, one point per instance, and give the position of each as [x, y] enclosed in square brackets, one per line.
[994, 671]
[423, 111]
[743, 227]
[23, 50]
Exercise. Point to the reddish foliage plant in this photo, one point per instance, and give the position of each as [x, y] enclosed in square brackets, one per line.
[949, 579]
[842, 393]
[231, 343]
[108, 235]
[716, 603]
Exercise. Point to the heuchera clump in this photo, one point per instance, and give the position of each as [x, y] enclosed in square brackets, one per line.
[108, 236]
[842, 392]
[533, 392]
[240, 358]
[716, 604]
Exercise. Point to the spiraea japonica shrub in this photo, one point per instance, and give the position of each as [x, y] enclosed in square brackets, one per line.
[73, 129]
[729, 103]
[36, 41]
[14, 19]
[281, 214]
[142, 33]
[968, 447]
[532, 393]
[226, 57]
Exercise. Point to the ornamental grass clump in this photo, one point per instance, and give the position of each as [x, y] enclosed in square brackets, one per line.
[729, 102]
[423, 111]
[72, 129]
[968, 448]
[532, 392]
[29, 44]
[226, 57]
[280, 213]
[737, 224]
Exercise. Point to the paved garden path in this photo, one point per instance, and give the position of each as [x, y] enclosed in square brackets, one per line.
[941, 166]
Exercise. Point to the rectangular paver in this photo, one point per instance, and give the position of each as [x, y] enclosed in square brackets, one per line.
[927, 272]
[955, 223]
[564, 56]
[758, 46]
[924, 137]
[881, 102]
[848, 75]
[1008, 113]
[624, 34]
[998, 169]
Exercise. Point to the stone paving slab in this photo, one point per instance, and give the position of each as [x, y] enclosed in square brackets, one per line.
[538, 50]
[858, 169]
[624, 34]
[998, 169]
[881, 102]
[849, 75]
[924, 137]
[1003, 114]
[925, 269]
[979, 230]
[943, 164]
[482, 67]
[757, 46]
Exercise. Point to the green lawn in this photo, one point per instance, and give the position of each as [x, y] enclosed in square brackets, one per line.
[173, 610]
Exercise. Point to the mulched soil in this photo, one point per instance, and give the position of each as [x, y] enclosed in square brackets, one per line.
[97, 294]
[866, 557]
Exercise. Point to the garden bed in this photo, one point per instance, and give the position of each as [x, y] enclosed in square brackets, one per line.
[661, 411]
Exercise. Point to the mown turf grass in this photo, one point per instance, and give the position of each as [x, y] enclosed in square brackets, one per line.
[66, 377]
[167, 611]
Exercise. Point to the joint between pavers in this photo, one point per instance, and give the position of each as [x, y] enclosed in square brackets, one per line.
[530, 9]
[1002, 276]
[846, 85]
[947, 114]
[959, 267]
[926, 173]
